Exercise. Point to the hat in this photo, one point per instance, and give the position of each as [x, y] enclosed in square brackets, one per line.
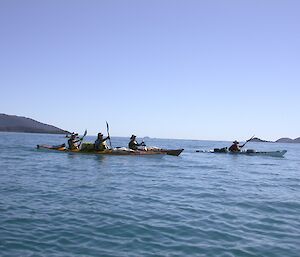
[100, 134]
[133, 136]
[235, 142]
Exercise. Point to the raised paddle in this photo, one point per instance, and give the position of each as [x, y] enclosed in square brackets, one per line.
[85, 132]
[247, 141]
[107, 128]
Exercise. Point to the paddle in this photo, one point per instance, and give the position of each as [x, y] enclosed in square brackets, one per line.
[247, 141]
[85, 132]
[107, 128]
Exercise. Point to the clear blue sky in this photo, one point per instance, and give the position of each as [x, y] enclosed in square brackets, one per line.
[159, 68]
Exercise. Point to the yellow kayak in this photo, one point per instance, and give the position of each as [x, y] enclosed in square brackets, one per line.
[114, 151]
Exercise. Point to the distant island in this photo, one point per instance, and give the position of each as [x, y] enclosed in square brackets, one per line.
[280, 140]
[12, 123]
[288, 140]
[256, 139]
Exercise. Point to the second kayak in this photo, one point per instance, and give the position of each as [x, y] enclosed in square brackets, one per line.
[251, 152]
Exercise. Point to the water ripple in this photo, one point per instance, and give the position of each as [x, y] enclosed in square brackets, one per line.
[196, 205]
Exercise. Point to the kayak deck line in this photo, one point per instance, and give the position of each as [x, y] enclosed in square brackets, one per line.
[115, 151]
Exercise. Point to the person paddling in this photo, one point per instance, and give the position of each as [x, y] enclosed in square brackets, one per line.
[72, 142]
[235, 147]
[133, 144]
[100, 143]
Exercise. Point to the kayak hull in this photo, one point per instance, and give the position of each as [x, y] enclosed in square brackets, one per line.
[116, 151]
[253, 153]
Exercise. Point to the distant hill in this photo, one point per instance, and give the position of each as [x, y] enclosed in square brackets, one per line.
[288, 140]
[12, 123]
[297, 140]
[280, 140]
[256, 139]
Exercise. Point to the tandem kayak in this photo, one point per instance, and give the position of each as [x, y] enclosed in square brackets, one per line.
[248, 152]
[115, 151]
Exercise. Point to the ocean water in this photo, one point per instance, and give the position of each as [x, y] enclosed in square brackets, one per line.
[197, 204]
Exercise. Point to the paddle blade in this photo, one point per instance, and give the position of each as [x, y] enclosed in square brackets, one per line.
[84, 134]
[250, 138]
[107, 127]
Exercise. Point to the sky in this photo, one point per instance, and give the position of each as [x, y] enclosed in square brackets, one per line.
[191, 69]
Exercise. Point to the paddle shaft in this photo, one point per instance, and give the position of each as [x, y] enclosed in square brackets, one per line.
[85, 132]
[247, 141]
[107, 128]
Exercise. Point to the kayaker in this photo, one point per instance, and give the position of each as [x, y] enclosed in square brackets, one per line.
[100, 143]
[72, 142]
[235, 147]
[133, 144]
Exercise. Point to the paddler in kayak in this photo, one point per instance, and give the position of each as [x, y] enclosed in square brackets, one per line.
[72, 142]
[235, 147]
[100, 143]
[133, 144]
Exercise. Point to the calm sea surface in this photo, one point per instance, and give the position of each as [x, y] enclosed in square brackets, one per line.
[198, 204]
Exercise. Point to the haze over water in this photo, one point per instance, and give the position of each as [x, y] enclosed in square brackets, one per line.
[198, 204]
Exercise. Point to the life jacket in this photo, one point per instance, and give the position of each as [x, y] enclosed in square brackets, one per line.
[100, 145]
[72, 145]
[133, 145]
[234, 148]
